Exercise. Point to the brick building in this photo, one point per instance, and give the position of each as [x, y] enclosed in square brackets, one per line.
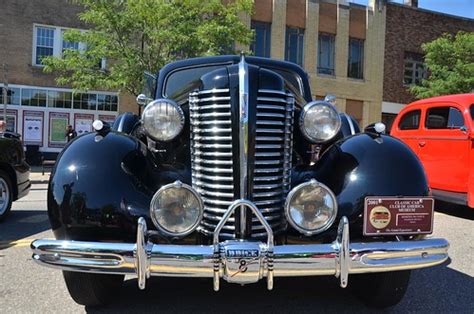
[37, 108]
[407, 28]
[340, 44]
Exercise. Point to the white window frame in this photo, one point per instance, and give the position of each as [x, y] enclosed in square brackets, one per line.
[58, 43]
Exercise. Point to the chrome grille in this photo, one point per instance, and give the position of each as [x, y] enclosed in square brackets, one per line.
[273, 147]
[211, 151]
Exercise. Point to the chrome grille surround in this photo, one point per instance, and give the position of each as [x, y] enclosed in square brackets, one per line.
[211, 157]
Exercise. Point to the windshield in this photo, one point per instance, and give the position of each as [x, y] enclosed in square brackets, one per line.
[185, 79]
[472, 111]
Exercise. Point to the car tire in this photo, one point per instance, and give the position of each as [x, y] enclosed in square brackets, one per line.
[380, 290]
[93, 289]
[6, 195]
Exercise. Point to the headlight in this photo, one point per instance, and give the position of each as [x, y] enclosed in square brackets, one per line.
[176, 209]
[311, 207]
[163, 120]
[319, 121]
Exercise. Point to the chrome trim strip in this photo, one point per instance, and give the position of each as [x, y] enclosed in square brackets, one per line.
[243, 137]
[351, 125]
[211, 91]
[145, 259]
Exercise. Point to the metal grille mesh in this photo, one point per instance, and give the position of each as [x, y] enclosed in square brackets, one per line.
[211, 151]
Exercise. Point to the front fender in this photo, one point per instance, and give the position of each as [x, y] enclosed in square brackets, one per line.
[99, 188]
[369, 165]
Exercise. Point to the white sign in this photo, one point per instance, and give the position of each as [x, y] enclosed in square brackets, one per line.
[33, 129]
[83, 126]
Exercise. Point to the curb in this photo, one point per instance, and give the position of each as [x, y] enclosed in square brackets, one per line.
[39, 181]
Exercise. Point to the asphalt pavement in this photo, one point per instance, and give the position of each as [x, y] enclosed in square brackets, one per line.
[26, 287]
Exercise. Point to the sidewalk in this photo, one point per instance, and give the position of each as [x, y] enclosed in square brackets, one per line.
[37, 177]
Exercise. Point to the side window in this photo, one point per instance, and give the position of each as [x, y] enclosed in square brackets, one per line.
[410, 121]
[444, 118]
[472, 111]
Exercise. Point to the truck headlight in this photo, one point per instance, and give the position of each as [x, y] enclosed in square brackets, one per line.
[163, 120]
[319, 121]
[176, 209]
[311, 207]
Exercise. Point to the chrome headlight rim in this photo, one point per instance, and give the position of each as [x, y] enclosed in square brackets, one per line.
[177, 184]
[306, 109]
[291, 194]
[175, 106]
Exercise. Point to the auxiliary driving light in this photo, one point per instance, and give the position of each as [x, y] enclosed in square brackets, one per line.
[176, 209]
[311, 207]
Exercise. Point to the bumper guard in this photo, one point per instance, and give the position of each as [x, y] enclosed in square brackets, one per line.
[240, 261]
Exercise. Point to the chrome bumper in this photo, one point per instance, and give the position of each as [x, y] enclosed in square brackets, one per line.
[240, 261]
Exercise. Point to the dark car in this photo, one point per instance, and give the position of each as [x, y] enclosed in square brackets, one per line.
[14, 172]
[234, 173]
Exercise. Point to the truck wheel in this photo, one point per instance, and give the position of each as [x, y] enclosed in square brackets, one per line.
[92, 289]
[380, 290]
[6, 195]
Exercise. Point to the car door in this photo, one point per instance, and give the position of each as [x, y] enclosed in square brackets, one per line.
[407, 128]
[444, 147]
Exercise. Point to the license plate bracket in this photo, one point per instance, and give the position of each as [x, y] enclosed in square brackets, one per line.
[398, 215]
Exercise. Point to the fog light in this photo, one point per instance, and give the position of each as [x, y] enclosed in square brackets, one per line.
[311, 207]
[176, 209]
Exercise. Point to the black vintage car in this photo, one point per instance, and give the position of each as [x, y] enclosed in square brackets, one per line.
[234, 173]
[14, 172]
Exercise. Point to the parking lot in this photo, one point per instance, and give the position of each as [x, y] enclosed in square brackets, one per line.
[27, 287]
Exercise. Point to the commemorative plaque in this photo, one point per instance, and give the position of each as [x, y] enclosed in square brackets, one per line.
[398, 216]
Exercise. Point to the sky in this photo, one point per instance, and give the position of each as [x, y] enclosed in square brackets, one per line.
[463, 8]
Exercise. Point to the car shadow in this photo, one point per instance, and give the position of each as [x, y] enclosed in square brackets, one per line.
[21, 224]
[456, 210]
[438, 289]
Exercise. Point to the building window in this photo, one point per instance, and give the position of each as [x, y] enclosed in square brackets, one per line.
[13, 96]
[444, 118]
[49, 41]
[44, 43]
[262, 41]
[410, 121]
[415, 69]
[60, 98]
[68, 44]
[355, 67]
[294, 45]
[326, 54]
[33, 97]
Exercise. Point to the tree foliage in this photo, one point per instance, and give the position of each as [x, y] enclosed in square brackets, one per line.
[450, 62]
[143, 35]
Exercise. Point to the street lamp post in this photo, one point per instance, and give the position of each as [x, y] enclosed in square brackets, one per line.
[5, 93]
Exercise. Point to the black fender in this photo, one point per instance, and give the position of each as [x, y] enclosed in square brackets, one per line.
[126, 122]
[367, 165]
[99, 187]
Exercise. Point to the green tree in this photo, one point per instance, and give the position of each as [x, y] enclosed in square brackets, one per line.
[450, 61]
[143, 35]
